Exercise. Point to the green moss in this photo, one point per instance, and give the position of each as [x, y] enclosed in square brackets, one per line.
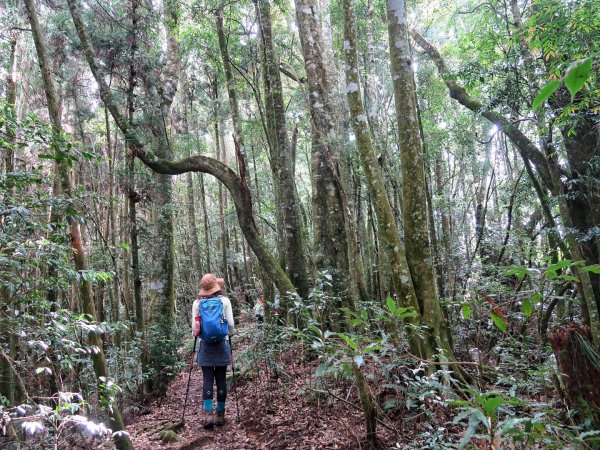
[168, 436]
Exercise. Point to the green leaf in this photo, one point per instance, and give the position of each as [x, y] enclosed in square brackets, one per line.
[595, 268]
[124, 246]
[577, 75]
[536, 298]
[390, 404]
[519, 271]
[391, 304]
[491, 405]
[545, 93]
[403, 313]
[560, 265]
[568, 278]
[349, 341]
[466, 413]
[500, 323]
[323, 369]
[466, 311]
[527, 307]
[551, 274]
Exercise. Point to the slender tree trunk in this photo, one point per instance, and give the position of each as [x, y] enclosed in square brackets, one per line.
[112, 232]
[163, 278]
[191, 207]
[393, 247]
[122, 440]
[11, 97]
[282, 162]
[204, 209]
[332, 219]
[222, 204]
[205, 218]
[133, 197]
[414, 198]
[7, 380]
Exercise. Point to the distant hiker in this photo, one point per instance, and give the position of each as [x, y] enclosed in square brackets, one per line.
[212, 320]
[259, 311]
[276, 304]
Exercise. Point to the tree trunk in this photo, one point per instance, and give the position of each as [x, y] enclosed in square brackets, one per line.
[332, 220]
[121, 439]
[133, 197]
[7, 380]
[112, 229]
[414, 188]
[162, 281]
[574, 352]
[194, 243]
[282, 160]
[390, 241]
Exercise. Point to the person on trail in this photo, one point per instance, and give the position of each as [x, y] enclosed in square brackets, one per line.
[259, 311]
[213, 357]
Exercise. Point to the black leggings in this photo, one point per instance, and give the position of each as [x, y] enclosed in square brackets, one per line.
[209, 375]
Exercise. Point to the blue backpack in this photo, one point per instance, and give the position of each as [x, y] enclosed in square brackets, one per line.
[214, 326]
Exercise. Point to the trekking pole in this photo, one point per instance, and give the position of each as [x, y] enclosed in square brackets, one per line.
[237, 407]
[187, 391]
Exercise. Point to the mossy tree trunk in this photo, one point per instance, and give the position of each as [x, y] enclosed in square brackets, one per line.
[334, 232]
[282, 159]
[413, 279]
[59, 144]
[387, 231]
[419, 252]
[163, 280]
[579, 370]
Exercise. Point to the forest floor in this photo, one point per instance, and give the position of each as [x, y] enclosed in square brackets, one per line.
[276, 410]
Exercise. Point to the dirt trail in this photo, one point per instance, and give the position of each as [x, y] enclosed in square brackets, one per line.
[277, 411]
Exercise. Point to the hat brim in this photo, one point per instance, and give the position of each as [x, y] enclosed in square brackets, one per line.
[216, 288]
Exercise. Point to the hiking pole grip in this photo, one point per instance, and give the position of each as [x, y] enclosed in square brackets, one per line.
[187, 391]
[237, 407]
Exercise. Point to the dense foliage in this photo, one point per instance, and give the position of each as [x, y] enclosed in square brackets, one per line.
[418, 181]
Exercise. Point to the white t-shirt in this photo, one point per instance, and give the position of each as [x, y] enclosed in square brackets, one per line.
[227, 312]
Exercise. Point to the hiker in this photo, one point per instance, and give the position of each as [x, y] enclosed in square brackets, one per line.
[259, 311]
[210, 311]
[276, 304]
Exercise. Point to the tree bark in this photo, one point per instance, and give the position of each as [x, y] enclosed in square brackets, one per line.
[390, 240]
[132, 196]
[7, 380]
[163, 279]
[332, 220]
[117, 425]
[282, 160]
[191, 205]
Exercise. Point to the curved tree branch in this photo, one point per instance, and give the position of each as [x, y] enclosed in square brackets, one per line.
[233, 183]
[527, 149]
